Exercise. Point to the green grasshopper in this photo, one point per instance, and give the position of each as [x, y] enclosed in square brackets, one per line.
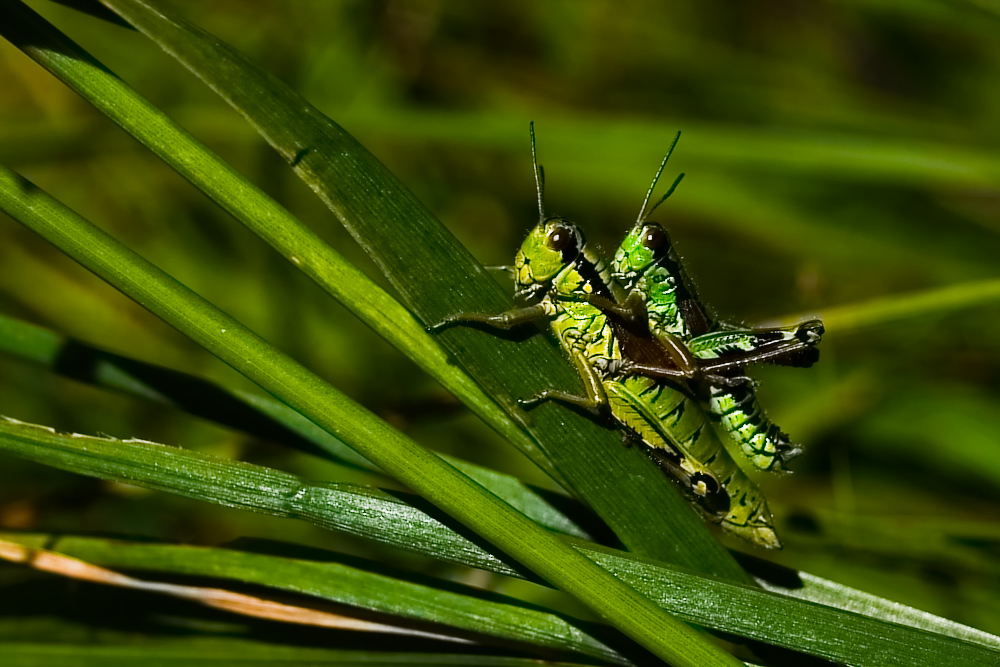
[661, 298]
[555, 264]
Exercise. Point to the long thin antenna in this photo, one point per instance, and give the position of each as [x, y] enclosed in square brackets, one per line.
[652, 186]
[664, 197]
[539, 174]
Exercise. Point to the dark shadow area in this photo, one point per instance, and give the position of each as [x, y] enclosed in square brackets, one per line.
[200, 398]
[97, 10]
[775, 574]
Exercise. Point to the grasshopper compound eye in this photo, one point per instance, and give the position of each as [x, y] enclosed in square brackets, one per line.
[654, 238]
[562, 239]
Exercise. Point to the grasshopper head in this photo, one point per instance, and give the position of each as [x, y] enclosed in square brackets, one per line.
[550, 247]
[647, 244]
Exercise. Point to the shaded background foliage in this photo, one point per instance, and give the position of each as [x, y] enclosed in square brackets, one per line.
[834, 153]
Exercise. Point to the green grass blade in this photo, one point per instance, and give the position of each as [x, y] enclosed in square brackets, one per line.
[890, 309]
[447, 610]
[856, 626]
[831, 594]
[251, 206]
[254, 414]
[578, 444]
[760, 149]
[435, 276]
[251, 413]
[421, 470]
[849, 631]
[342, 507]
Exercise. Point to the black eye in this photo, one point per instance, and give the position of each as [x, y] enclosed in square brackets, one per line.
[654, 238]
[560, 239]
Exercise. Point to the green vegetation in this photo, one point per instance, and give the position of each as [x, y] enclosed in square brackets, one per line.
[840, 162]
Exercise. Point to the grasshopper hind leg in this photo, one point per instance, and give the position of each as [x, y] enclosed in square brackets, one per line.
[700, 488]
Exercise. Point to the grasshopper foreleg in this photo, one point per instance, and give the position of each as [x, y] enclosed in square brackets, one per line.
[505, 321]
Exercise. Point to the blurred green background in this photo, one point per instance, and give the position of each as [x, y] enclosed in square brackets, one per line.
[835, 153]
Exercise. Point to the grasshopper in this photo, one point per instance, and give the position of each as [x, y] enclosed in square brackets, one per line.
[555, 265]
[661, 298]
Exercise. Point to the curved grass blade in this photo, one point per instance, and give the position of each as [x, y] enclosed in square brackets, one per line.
[856, 627]
[771, 218]
[435, 276]
[891, 308]
[330, 581]
[50, 562]
[348, 508]
[251, 413]
[421, 470]
[254, 414]
[251, 206]
[778, 150]
[831, 594]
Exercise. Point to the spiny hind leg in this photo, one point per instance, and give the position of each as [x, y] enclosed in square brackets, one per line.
[700, 487]
[704, 373]
[772, 343]
[787, 353]
[684, 366]
[808, 331]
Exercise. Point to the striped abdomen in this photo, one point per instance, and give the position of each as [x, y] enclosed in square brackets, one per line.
[664, 418]
[735, 411]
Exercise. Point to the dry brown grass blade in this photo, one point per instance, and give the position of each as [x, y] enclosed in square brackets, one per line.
[218, 598]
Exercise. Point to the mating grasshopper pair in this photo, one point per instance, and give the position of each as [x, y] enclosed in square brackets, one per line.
[649, 354]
